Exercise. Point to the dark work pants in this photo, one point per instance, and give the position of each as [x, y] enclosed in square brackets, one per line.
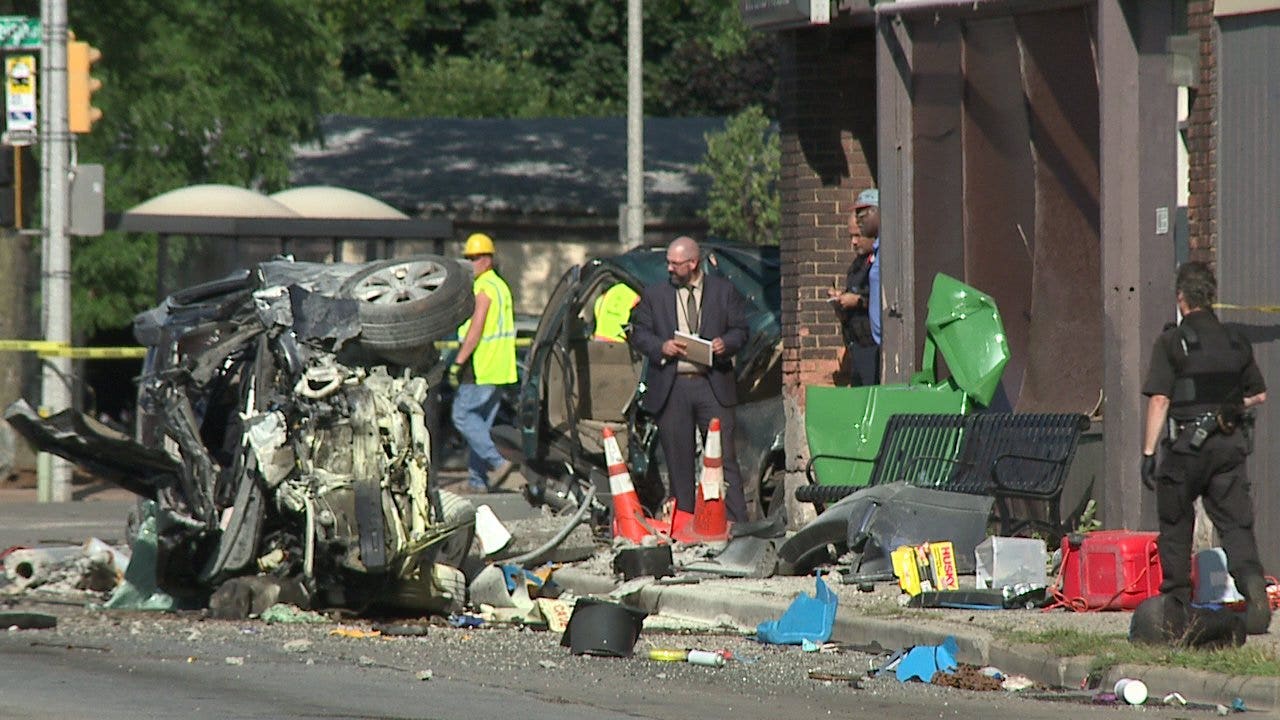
[690, 407]
[1217, 475]
[864, 364]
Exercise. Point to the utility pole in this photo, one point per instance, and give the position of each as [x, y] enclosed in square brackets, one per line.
[634, 232]
[55, 142]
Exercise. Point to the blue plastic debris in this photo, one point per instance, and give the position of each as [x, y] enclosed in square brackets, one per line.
[923, 661]
[808, 618]
[465, 620]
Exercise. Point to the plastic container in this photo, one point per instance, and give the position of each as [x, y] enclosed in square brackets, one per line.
[1131, 690]
[1007, 561]
[1110, 569]
[1212, 582]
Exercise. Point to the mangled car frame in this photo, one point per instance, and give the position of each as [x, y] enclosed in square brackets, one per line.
[281, 431]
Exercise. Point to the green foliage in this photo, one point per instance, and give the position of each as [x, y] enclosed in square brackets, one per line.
[193, 92]
[744, 162]
[548, 58]
[455, 87]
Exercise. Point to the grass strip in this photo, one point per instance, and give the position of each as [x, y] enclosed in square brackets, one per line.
[1110, 649]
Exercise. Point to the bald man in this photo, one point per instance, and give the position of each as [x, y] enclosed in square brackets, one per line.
[682, 394]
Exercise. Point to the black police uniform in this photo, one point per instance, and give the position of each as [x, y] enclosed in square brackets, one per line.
[1202, 366]
[864, 354]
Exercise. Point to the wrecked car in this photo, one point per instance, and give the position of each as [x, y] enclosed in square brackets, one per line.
[281, 430]
[575, 384]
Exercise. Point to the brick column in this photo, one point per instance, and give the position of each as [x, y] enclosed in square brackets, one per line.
[1202, 155]
[828, 110]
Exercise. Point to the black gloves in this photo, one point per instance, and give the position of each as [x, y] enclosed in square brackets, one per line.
[1149, 471]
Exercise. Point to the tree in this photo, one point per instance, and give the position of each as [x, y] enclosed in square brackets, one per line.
[193, 91]
[744, 162]
[547, 58]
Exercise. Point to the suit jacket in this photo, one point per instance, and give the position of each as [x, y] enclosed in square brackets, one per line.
[653, 322]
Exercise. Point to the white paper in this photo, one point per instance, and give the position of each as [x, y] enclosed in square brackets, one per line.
[696, 349]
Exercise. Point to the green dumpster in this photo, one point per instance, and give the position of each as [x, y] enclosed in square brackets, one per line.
[963, 325]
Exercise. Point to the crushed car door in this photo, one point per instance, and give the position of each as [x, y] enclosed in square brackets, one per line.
[547, 351]
[95, 447]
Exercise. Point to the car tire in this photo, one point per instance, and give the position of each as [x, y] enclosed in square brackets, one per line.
[766, 498]
[454, 509]
[409, 303]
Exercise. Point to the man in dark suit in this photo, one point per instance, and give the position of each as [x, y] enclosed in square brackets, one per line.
[682, 394]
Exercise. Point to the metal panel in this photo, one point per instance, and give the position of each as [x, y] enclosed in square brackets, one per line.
[895, 137]
[1064, 366]
[999, 185]
[1249, 229]
[938, 184]
[1138, 138]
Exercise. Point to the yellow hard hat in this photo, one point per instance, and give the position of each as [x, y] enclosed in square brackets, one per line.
[478, 244]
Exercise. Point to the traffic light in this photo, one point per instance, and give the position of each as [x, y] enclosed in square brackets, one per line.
[19, 185]
[81, 85]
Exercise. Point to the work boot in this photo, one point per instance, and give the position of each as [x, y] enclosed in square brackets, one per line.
[1257, 613]
[498, 476]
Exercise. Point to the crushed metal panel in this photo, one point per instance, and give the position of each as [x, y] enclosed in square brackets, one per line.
[1064, 367]
[1248, 229]
[999, 185]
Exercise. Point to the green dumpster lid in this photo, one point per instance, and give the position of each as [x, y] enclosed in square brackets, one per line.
[964, 325]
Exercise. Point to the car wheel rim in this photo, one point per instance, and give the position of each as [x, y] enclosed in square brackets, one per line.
[402, 282]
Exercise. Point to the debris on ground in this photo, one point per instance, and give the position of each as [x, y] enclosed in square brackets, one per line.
[282, 613]
[808, 618]
[966, 677]
[922, 662]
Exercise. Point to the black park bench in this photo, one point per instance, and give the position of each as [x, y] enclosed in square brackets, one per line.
[1020, 459]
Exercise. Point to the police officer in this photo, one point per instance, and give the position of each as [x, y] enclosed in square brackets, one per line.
[1201, 380]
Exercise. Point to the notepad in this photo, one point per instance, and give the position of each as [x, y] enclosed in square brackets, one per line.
[697, 349]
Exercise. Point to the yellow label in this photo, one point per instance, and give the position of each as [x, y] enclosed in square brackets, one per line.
[942, 566]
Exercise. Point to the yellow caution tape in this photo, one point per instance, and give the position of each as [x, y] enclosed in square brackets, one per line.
[31, 345]
[96, 353]
[1254, 308]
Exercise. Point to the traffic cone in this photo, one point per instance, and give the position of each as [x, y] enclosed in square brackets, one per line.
[627, 513]
[709, 523]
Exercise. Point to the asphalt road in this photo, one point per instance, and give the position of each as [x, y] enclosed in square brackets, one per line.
[131, 666]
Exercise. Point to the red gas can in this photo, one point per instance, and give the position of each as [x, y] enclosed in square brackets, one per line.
[1110, 569]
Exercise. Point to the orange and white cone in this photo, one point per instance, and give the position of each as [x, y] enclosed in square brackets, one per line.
[710, 522]
[628, 515]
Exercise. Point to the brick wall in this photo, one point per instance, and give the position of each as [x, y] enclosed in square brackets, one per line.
[827, 123]
[1202, 153]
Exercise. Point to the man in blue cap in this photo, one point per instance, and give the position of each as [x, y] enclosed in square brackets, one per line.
[859, 301]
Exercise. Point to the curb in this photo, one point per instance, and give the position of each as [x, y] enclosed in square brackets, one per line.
[729, 606]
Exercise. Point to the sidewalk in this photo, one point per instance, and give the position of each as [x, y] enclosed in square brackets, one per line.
[863, 618]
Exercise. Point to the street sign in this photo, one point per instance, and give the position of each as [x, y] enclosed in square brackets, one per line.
[20, 93]
[19, 32]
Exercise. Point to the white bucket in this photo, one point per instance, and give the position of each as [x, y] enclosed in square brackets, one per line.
[493, 535]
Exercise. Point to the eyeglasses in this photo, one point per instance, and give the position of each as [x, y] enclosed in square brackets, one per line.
[672, 263]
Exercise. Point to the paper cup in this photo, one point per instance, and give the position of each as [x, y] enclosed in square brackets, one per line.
[1131, 691]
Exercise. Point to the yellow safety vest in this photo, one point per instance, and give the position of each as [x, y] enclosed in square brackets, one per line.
[494, 359]
[613, 312]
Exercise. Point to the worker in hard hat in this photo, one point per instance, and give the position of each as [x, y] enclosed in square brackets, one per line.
[486, 361]
[613, 312]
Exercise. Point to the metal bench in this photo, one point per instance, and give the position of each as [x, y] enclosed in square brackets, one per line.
[1020, 459]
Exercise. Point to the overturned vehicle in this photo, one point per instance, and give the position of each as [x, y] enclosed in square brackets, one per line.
[281, 430]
